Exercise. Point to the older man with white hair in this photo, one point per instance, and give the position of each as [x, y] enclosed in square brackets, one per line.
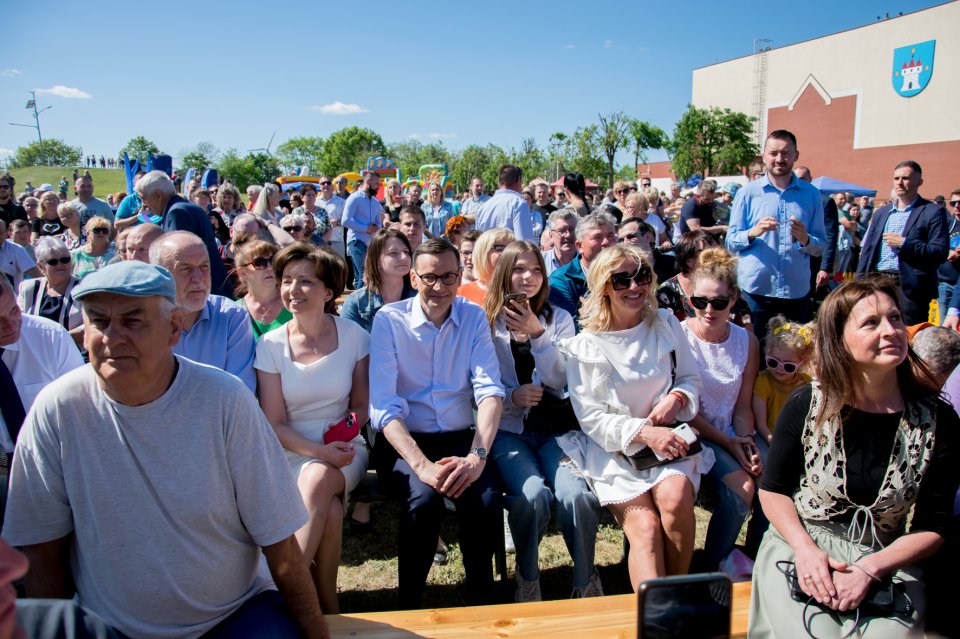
[159, 195]
[214, 330]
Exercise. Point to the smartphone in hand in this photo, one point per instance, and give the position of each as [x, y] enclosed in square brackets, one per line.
[343, 431]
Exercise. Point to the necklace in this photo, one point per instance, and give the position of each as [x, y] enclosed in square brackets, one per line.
[699, 332]
[265, 310]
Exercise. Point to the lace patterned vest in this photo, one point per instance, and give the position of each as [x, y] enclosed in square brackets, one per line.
[822, 494]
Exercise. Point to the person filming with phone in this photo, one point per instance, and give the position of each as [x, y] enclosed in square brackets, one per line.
[852, 456]
[526, 335]
[632, 377]
[312, 376]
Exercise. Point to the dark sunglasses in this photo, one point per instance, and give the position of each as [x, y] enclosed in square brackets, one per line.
[262, 263]
[57, 260]
[787, 367]
[101, 230]
[293, 229]
[4, 186]
[325, 183]
[718, 303]
[621, 281]
[622, 191]
[955, 203]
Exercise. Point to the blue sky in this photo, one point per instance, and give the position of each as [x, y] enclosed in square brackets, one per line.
[466, 73]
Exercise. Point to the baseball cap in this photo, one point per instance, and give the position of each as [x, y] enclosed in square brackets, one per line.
[730, 188]
[131, 278]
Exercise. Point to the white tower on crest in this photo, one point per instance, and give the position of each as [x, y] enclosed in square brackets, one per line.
[911, 75]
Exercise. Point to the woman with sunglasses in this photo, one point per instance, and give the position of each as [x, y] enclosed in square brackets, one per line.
[728, 358]
[48, 224]
[98, 250]
[486, 253]
[295, 225]
[50, 296]
[526, 334]
[392, 202]
[256, 287]
[632, 378]
[674, 294]
[854, 456]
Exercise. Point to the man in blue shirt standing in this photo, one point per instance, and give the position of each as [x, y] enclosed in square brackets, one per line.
[775, 226]
[435, 359]
[361, 217]
[506, 209]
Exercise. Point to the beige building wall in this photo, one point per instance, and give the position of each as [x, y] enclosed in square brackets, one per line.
[858, 62]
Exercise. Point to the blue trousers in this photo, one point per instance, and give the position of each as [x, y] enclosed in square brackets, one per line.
[357, 252]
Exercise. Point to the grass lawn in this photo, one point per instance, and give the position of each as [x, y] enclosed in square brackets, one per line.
[105, 181]
[368, 568]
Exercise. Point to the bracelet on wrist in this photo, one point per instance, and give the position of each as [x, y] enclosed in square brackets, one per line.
[680, 397]
[873, 577]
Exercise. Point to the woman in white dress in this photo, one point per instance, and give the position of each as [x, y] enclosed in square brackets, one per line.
[727, 356]
[631, 377]
[311, 373]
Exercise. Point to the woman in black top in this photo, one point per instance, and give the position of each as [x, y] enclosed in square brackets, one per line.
[48, 224]
[851, 455]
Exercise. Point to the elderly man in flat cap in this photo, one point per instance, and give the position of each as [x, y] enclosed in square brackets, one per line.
[142, 483]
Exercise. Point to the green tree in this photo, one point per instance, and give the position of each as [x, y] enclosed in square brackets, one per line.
[348, 150]
[410, 155]
[478, 161]
[559, 152]
[531, 160]
[585, 154]
[643, 136]
[611, 137]
[253, 168]
[712, 142]
[139, 147]
[53, 153]
[300, 151]
[203, 156]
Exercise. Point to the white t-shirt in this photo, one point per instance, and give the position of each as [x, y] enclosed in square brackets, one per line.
[169, 502]
[14, 263]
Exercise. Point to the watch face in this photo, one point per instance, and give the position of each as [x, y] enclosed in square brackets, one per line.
[481, 452]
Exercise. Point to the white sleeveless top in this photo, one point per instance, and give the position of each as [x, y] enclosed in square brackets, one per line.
[721, 372]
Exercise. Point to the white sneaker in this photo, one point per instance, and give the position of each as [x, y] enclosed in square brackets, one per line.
[593, 588]
[508, 537]
[527, 590]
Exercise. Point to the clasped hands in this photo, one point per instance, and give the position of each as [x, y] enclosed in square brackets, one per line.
[835, 584]
[451, 476]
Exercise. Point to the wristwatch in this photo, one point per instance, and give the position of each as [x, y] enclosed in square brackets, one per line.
[479, 452]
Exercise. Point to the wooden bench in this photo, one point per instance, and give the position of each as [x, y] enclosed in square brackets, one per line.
[614, 616]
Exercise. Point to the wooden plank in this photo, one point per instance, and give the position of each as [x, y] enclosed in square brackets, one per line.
[613, 617]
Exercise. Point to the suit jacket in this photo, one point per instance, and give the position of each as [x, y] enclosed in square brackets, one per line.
[924, 249]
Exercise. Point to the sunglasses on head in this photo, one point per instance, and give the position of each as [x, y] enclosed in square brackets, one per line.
[57, 260]
[621, 281]
[787, 367]
[718, 303]
[262, 263]
[293, 229]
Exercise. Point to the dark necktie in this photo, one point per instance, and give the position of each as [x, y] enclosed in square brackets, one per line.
[11, 407]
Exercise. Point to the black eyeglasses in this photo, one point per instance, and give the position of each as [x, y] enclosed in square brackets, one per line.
[4, 186]
[788, 367]
[261, 263]
[293, 229]
[621, 281]
[718, 303]
[57, 260]
[325, 183]
[430, 279]
[101, 230]
[622, 191]
[955, 203]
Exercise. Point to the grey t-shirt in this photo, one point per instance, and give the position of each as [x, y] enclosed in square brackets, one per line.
[169, 502]
[95, 206]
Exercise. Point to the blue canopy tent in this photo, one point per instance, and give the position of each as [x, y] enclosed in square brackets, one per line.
[828, 185]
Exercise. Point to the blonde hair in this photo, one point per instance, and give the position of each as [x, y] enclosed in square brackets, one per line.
[596, 314]
[388, 197]
[484, 247]
[641, 200]
[718, 265]
[791, 336]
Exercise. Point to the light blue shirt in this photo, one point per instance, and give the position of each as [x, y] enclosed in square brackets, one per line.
[472, 206]
[774, 264]
[427, 376]
[360, 211]
[889, 261]
[437, 218]
[222, 337]
[506, 209]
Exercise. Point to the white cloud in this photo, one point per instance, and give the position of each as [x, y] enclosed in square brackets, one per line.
[414, 136]
[608, 44]
[10, 73]
[568, 46]
[448, 136]
[5, 152]
[65, 92]
[339, 108]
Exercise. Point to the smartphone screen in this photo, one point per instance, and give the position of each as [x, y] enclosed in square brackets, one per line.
[688, 606]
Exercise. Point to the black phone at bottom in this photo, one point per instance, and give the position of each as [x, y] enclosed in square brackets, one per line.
[687, 606]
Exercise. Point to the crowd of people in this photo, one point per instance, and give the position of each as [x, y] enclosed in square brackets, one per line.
[539, 349]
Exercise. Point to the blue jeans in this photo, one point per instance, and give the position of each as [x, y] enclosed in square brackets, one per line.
[264, 615]
[730, 511]
[533, 475]
[944, 295]
[357, 251]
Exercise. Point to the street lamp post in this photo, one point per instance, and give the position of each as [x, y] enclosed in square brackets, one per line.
[32, 104]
